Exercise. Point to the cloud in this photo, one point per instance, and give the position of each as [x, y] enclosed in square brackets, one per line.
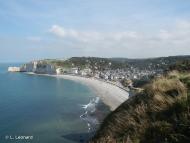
[180, 31]
[173, 40]
[57, 30]
[83, 36]
[183, 24]
[164, 35]
[89, 36]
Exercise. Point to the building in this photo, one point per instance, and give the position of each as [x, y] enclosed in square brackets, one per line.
[86, 72]
[73, 71]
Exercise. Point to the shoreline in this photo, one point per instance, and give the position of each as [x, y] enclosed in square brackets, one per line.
[110, 94]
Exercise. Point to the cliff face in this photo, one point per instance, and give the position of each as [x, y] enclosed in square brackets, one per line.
[159, 114]
[14, 69]
[39, 67]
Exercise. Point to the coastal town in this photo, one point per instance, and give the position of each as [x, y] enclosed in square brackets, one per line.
[120, 76]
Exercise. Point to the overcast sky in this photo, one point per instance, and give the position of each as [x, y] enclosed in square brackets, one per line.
[37, 29]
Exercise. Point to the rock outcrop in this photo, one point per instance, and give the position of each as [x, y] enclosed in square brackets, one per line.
[39, 67]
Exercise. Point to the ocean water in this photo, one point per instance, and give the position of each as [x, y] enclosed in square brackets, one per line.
[41, 109]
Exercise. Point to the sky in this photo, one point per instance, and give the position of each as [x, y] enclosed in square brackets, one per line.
[38, 29]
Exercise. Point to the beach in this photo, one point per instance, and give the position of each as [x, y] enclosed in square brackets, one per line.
[110, 94]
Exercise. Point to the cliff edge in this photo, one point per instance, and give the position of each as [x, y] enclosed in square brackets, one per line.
[158, 114]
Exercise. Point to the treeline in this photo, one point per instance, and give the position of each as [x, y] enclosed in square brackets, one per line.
[122, 63]
[181, 66]
[94, 63]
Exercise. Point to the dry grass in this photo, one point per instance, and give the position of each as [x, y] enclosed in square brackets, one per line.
[165, 91]
[129, 121]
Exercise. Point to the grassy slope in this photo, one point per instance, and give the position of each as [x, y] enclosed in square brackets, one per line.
[159, 114]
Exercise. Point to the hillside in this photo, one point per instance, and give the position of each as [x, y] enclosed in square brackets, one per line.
[159, 114]
[181, 65]
[89, 62]
[160, 62]
[117, 63]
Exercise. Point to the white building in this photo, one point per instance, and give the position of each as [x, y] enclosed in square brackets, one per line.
[97, 75]
[73, 71]
[86, 71]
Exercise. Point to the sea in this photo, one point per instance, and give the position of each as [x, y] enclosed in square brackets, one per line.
[43, 109]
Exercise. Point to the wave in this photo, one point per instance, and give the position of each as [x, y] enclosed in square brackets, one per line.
[90, 114]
